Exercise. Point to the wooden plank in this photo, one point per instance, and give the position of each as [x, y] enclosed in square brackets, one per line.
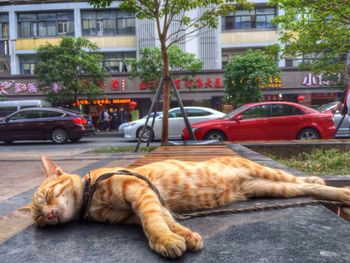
[184, 153]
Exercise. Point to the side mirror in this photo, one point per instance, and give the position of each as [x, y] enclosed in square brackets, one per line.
[238, 118]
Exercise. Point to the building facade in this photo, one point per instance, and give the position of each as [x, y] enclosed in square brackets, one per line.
[25, 25]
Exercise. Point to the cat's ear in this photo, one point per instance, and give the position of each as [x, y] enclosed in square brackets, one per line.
[51, 169]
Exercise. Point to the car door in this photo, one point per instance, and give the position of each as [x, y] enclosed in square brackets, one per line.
[284, 123]
[176, 124]
[21, 125]
[249, 124]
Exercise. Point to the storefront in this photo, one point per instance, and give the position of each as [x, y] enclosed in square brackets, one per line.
[203, 89]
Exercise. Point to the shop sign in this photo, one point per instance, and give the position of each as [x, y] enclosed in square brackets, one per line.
[274, 82]
[104, 101]
[312, 80]
[188, 83]
[19, 87]
[118, 84]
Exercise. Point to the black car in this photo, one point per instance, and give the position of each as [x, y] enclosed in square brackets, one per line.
[56, 124]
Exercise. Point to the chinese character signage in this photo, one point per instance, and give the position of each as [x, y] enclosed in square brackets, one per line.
[188, 83]
[311, 80]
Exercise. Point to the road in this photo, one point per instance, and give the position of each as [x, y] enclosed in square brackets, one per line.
[86, 144]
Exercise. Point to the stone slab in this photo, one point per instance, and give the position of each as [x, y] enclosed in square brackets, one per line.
[298, 235]
[303, 234]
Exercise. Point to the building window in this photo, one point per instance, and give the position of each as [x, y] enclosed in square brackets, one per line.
[27, 64]
[115, 62]
[107, 22]
[258, 18]
[46, 24]
[297, 62]
[4, 26]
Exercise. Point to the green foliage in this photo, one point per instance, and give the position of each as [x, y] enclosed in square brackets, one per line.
[317, 28]
[246, 74]
[319, 162]
[74, 65]
[149, 67]
[123, 149]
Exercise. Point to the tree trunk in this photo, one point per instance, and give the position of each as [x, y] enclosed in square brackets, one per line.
[166, 75]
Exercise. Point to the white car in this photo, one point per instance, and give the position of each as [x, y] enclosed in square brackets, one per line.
[130, 123]
[176, 123]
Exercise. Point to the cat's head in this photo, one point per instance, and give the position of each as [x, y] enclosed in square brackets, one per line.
[59, 197]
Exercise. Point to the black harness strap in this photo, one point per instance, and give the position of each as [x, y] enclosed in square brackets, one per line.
[89, 191]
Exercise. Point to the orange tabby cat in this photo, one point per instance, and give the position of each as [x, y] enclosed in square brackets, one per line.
[183, 186]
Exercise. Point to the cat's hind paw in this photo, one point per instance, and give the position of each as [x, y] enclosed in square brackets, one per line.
[313, 180]
[169, 245]
[194, 241]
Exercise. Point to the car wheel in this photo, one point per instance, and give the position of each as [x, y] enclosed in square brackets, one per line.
[8, 142]
[308, 134]
[75, 139]
[59, 135]
[147, 135]
[215, 135]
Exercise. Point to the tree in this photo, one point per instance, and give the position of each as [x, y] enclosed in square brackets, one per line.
[149, 67]
[69, 69]
[167, 12]
[246, 74]
[317, 29]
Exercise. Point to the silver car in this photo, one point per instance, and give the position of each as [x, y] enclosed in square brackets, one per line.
[344, 130]
[176, 123]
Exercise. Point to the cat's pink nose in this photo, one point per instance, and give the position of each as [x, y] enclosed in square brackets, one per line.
[51, 215]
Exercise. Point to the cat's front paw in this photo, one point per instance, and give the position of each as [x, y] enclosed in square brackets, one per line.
[194, 241]
[168, 245]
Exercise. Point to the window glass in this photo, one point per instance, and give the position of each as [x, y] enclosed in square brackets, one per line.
[50, 114]
[259, 18]
[197, 112]
[261, 111]
[27, 64]
[25, 29]
[243, 22]
[45, 24]
[115, 61]
[263, 11]
[25, 115]
[4, 18]
[107, 22]
[7, 111]
[284, 110]
[175, 113]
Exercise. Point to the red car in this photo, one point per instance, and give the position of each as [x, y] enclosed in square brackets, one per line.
[267, 121]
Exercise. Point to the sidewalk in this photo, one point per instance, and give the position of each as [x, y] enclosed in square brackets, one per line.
[108, 134]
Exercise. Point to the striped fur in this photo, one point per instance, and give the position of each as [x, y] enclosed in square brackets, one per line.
[183, 185]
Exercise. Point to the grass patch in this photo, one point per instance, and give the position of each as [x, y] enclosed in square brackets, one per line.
[319, 162]
[123, 149]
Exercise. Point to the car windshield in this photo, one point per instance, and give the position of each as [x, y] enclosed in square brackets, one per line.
[326, 106]
[229, 115]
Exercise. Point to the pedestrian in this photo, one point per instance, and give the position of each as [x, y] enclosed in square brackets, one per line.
[121, 116]
[114, 117]
[105, 120]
